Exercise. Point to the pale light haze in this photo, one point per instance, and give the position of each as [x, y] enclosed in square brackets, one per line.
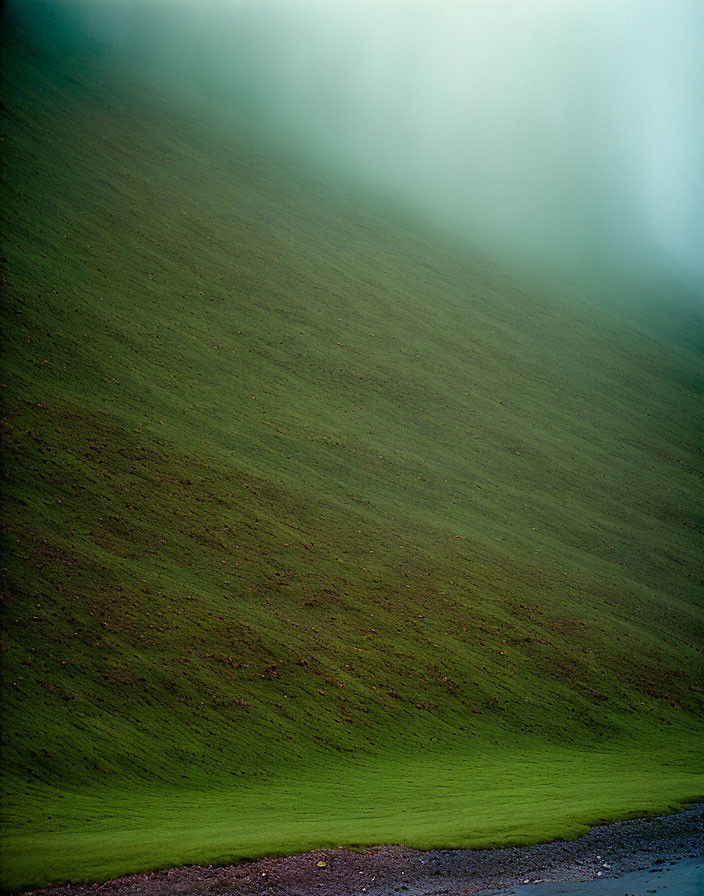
[569, 133]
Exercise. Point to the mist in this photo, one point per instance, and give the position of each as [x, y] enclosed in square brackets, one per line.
[569, 135]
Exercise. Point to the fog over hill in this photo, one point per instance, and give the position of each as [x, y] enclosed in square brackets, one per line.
[323, 527]
[566, 133]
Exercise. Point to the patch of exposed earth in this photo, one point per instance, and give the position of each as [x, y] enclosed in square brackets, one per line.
[656, 846]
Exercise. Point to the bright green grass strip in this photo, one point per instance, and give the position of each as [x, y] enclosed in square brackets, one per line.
[473, 799]
[289, 478]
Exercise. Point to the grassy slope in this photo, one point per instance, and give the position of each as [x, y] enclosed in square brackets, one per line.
[319, 528]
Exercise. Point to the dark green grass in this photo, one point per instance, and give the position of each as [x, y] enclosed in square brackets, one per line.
[319, 528]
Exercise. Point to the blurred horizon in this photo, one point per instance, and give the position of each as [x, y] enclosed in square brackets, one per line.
[564, 135]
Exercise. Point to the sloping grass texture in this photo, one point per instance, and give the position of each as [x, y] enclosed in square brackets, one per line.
[320, 529]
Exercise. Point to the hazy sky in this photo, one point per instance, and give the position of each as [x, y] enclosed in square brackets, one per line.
[569, 131]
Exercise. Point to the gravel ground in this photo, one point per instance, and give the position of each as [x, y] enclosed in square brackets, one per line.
[608, 851]
[681, 878]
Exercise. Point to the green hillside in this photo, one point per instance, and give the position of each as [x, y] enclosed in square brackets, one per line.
[320, 529]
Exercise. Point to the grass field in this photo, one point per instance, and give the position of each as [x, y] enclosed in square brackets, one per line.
[320, 528]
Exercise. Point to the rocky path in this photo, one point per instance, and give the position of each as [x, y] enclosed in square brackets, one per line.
[673, 844]
[677, 878]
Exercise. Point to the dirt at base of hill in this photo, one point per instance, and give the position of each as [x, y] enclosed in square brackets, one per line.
[606, 851]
